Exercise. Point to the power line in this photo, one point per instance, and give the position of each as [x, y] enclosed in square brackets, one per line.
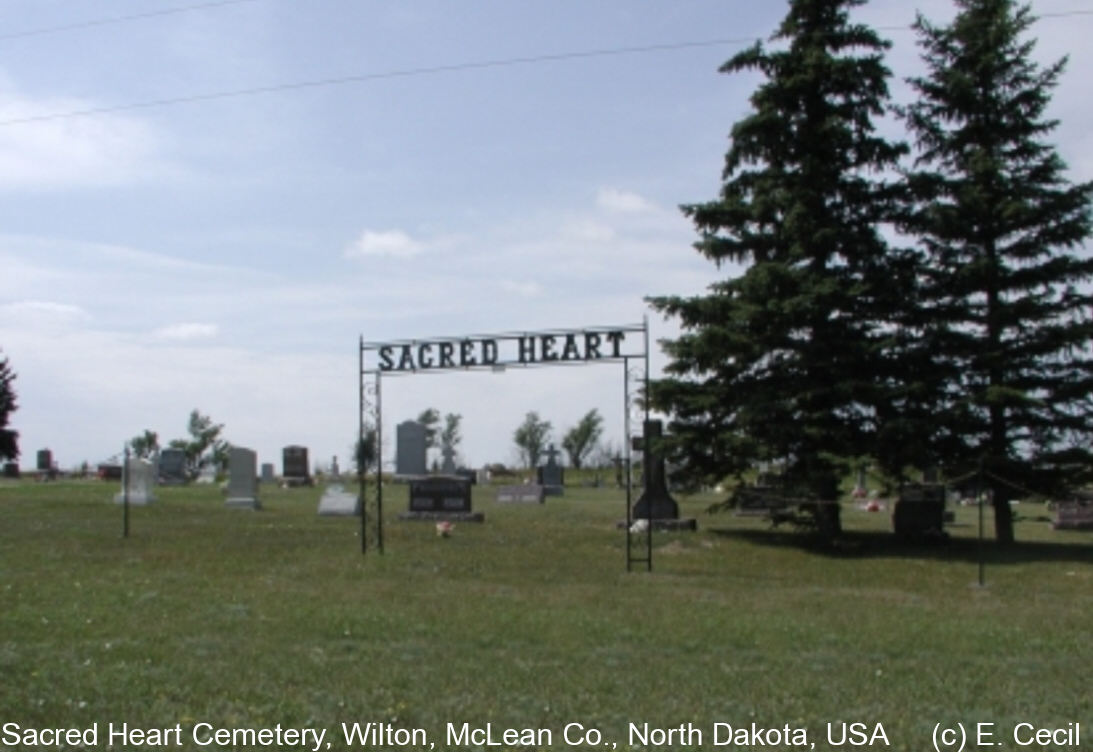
[403, 73]
[362, 78]
[118, 19]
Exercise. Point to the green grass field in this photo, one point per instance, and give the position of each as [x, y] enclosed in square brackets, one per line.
[246, 620]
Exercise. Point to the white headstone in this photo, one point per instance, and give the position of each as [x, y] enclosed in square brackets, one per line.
[336, 501]
[141, 478]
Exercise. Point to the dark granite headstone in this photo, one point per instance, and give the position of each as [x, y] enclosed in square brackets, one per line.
[440, 493]
[410, 447]
[109, 472]
[920, 511]
[551, 476]
[295, 467]
[11, 470]
[45, 460]
[172, 467]
[655, 503]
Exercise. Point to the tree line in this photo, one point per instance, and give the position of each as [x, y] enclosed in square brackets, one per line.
[915, 305]
[531, 437]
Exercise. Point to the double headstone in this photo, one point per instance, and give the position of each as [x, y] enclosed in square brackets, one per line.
[410, 449]
[441, 497]
[243, 479]
[138, 480]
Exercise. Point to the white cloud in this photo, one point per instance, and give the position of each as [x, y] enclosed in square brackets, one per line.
[588, 231]
[186, 331]
[394, 243]
[64, 152]
[612, 199]
[36, 313]
[523, 289]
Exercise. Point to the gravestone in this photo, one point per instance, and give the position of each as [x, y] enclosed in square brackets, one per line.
[11, 470]
[267, 473]
[337, 502]
[441, 497]
[108, 471]
[294, 466]
[172, 467]
[410, 448]
[551, 476]
[920, 511]
[140, 476]
[242, 479]
[1075, 514]
[527, 493]
[655, 503]
[335, 471]
[46, 470]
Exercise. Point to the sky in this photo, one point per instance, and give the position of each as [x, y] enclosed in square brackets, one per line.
[206, 205]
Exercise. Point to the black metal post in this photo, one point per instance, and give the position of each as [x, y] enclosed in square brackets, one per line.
[379, 465]
[125, 492]
[361, 468]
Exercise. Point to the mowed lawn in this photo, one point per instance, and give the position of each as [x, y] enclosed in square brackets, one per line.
[251, 619]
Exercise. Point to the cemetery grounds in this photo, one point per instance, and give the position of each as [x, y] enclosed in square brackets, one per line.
[250, 619]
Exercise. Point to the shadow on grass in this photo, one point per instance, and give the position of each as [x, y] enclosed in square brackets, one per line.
[885, 545]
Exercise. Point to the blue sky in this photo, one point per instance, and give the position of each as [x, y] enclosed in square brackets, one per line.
[226, 254]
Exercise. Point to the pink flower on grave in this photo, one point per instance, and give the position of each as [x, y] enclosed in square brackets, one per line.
[444, 529]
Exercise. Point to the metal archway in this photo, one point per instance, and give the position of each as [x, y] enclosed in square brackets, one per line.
[497, 352]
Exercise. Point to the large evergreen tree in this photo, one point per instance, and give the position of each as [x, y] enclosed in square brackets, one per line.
[791, 360]
[9, 438]
[1006, 318]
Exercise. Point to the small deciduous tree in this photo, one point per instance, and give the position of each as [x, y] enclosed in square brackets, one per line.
[9, 439]
[580, 440]
[204, 448]
[450, 434]
[531, 437]
[145, 445]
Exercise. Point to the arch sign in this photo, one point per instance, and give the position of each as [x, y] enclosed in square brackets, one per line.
[496, 352]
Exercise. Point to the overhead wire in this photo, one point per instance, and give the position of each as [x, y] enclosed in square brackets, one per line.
[364, 77]
[110, 20]
[383, 75]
